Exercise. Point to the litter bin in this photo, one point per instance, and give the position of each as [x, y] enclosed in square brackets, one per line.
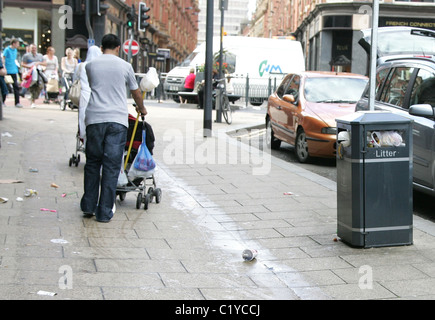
[374, 179]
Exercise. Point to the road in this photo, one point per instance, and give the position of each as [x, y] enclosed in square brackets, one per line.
[424, 205]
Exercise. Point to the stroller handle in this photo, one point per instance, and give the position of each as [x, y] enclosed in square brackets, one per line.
[132, 138]
[142, 116]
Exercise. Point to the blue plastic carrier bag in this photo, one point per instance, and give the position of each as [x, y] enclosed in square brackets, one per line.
[144, 160]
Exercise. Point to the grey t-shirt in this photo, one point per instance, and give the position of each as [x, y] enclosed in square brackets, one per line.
[29, 58]
[108, 76]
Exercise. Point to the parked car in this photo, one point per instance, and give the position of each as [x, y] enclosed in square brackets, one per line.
[405, 85]
[303, 110]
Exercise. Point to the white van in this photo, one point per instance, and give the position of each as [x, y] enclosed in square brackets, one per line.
[258, 59]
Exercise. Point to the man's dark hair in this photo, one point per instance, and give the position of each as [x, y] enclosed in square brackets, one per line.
[110, 41]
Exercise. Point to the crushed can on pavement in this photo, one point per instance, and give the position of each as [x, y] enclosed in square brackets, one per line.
[249, 254]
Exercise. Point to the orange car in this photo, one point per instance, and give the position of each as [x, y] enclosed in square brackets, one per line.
[303, 110]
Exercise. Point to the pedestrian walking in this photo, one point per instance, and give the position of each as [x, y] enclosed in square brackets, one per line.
[34, 60]
[52, 73]
[93, 52]
[9, 60]
[189, 84]
[77, 55]
[68, 65]
[106, 122]
[52, 64]
[3, 86]
[24, 74]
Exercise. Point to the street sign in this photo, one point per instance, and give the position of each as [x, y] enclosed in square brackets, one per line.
[91, 42]
[134, 47]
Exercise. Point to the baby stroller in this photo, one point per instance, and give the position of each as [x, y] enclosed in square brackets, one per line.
[80, 143]
[51, 89]
[67, 81]
[80, 147]
[134, 139]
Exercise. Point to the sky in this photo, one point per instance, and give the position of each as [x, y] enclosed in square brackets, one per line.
[251, 8]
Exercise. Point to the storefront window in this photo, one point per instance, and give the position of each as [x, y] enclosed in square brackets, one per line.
[337, 22]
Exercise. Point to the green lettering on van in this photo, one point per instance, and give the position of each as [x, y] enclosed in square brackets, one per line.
[264, 67]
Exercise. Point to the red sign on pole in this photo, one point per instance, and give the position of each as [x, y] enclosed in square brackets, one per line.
[134, 47]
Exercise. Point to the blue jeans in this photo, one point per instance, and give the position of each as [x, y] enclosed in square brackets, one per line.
[4, 88]
[104, 149]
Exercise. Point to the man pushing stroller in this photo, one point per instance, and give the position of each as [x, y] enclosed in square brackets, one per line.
[106, 121]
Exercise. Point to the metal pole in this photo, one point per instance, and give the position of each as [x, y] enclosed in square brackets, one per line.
[247, 90]
[218, 105]
[88, 20]
[208, 70]
[129, 45]
[373, 55]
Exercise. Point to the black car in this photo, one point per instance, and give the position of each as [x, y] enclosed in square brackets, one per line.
[405, 85]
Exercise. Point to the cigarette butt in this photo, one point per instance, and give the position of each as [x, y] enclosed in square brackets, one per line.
[54, 185]
[68, 194]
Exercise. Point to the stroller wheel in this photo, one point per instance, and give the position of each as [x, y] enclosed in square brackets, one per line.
[77, 160]
[151, 193]
[158, 195]
[147, 201]
[72, 160]
[122, 196]
[139, 200]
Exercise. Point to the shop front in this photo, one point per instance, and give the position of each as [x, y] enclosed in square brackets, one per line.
[330, 34]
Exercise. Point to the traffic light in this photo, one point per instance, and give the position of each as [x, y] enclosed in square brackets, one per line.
[130, 18]
[76, 6]
[97, 7]
[143, 17]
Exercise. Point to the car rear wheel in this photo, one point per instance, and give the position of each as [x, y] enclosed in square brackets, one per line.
[271, 141]
[302, 147]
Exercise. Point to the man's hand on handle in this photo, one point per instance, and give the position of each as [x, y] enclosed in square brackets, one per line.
[137, 96]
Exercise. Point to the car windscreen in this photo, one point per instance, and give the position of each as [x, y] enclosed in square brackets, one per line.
[334, 89]
[396, 41]
[189, 59]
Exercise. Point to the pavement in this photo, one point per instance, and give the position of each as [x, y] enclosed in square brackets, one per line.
[220, 196]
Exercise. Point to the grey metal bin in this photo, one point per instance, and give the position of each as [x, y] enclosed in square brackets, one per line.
[374, 179]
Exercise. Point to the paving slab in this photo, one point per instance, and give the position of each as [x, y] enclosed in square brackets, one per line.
[219, 197]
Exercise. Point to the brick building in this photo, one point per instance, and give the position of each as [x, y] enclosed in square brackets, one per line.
[173, 27]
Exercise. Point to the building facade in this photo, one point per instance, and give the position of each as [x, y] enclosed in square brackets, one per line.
[169, 38]
[235, 14]
[173, 26]
[329, 29]
[330, 33]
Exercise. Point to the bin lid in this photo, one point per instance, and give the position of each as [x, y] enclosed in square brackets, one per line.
[372, 117]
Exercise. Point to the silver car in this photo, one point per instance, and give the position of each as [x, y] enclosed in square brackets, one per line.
[405, 85]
